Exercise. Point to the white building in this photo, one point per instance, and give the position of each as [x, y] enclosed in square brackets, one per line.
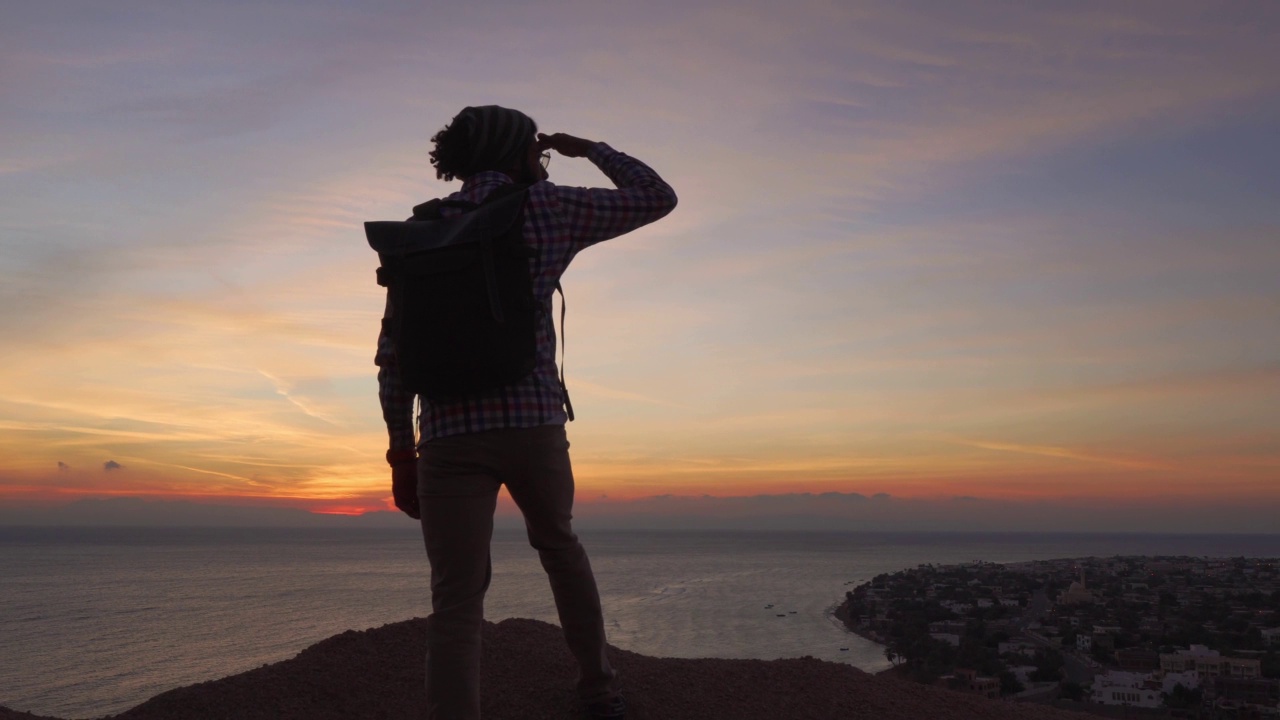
[1188, 680]
[1210, 663]
[951, 638]
[1016, 647]
[1184, 660]
[1117, 687]
[1077, 594]
[1023, 673]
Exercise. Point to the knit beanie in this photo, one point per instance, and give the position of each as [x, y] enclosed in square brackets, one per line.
[497, 137]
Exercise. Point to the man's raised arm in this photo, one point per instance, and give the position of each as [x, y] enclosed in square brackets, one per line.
[596, 214]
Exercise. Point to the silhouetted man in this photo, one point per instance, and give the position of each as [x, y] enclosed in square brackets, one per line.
[512, 435]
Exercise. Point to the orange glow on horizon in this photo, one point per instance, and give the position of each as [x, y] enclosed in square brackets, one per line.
[357, 505]
[349, 511]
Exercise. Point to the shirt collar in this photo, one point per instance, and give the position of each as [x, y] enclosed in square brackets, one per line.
[483, 182]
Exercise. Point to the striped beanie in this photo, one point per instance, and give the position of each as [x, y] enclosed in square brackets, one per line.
[497, 137]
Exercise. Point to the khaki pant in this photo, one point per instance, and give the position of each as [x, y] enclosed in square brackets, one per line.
[458, 481]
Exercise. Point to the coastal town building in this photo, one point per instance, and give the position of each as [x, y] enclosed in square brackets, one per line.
[1210, 663]
[1179, 633]
[966, 680]
[950, 638]
[1017, 647]
[1023, 673]
[1271, 635]
[1137, 659]
[943, 626]
[1117, 687]
[1186, 659]
[1258, 695]
[1077, 593]
[1170, 681]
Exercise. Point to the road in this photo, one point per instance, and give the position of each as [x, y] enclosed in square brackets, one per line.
[1079, 669]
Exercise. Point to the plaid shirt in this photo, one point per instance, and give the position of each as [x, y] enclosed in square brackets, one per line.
[559, 222]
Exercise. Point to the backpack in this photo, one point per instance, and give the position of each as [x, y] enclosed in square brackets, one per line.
[462, 316]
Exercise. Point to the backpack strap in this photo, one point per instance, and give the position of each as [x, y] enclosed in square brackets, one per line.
[568, 406]
[511, 189]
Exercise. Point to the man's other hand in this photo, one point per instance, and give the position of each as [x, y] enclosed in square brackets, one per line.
[566, 145]
[404, 487]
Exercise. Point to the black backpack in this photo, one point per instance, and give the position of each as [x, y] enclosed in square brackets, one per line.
[463, 318]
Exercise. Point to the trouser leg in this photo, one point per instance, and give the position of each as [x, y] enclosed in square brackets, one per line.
[542, 486]
[457, 529]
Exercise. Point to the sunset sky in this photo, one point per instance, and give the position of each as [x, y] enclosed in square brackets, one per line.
[1022, 252]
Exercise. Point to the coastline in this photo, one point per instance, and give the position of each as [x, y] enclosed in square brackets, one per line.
[841, 613]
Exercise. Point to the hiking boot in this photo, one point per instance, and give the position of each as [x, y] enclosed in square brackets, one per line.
[615, 708]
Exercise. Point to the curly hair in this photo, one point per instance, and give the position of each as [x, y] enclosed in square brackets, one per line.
[452, 149]
[479, 139]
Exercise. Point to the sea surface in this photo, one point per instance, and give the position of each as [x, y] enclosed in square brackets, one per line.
[95, 621]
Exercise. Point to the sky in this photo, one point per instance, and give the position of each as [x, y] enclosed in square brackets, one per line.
[1022, 256]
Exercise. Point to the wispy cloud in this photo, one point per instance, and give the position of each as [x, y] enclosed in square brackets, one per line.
[1064, 453]
[284, 390]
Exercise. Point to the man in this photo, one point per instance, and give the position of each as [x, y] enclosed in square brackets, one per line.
[513, 435]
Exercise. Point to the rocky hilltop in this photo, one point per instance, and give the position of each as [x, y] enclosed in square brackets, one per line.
[528, 675]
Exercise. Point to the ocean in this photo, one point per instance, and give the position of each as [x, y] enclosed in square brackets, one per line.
[95, 621]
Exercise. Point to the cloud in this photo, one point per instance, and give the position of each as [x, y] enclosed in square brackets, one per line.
[1061, 452]
[853, 511]
[285, 389]
[110, 465]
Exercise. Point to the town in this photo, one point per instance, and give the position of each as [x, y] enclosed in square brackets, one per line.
[1120, 637]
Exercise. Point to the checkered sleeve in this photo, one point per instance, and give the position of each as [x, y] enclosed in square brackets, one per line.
[596, 214]
[397, 404]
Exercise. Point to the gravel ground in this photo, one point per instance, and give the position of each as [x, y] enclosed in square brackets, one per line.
[529, 674]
